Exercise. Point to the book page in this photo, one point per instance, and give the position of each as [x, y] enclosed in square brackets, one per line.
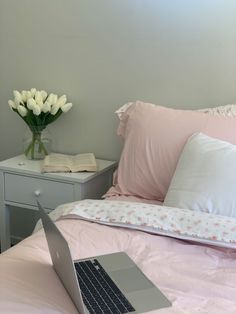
[66, 163]
[84, 162]
[58, 161]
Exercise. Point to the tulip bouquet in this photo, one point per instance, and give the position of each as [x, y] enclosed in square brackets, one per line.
[38, 109]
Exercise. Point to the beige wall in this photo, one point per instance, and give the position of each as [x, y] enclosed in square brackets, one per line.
[103, 53]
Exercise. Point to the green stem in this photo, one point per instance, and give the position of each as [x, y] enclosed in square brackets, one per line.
[43, 148]
[36, 140]
[32, 148]
[27, 150]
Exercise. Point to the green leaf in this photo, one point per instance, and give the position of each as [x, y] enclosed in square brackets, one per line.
[51, 118]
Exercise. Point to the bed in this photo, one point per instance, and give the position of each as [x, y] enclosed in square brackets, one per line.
[189, 253]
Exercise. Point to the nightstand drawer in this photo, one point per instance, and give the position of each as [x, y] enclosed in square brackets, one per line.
[25, 190]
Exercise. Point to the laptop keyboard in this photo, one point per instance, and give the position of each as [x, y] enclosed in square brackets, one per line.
[99, 292]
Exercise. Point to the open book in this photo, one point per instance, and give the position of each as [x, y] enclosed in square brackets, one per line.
[69, 163]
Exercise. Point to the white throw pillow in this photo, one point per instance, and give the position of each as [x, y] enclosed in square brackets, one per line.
[205, 177]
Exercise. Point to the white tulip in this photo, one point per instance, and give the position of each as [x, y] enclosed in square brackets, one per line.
[61, 100]
[54, 99]
[18, 98]
[48, 102]
[50, 98]
[38, 97]
[22, 110]
[44, 94]
[54, 109]
[33, 91]
[40, 104]
[11, 104]
[29, 95]
[46, 107]
[24, 95]
[17, 94]
[36, 110]
[31, 103]
[66, 107]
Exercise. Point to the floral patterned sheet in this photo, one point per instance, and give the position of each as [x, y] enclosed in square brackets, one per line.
[174, 222]
[196, 278]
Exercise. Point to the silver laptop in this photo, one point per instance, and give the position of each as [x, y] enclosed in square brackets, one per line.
[103, 284]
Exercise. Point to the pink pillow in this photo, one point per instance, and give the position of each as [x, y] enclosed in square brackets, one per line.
[154, 138]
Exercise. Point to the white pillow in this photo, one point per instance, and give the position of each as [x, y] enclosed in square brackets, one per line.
[205, 177]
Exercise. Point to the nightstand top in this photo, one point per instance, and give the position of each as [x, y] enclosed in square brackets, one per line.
[21, 165]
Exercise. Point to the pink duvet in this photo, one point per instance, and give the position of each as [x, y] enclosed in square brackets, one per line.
[196, 278]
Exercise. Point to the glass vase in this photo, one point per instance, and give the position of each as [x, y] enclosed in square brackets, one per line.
[37, 143]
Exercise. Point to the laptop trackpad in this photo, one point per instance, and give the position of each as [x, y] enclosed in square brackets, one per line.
[131, 279]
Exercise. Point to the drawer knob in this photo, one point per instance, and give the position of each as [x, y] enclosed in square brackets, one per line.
[37, 192]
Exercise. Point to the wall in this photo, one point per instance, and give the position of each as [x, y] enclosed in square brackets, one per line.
[103, 53]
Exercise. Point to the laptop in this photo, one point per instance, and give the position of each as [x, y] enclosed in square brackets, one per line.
[109, 283]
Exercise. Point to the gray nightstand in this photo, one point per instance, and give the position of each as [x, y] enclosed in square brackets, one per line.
[21, 182]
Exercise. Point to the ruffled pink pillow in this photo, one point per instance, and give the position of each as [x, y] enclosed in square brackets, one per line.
[154, 137]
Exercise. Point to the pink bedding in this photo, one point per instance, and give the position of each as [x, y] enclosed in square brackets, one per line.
[130, 198]
[196, 278]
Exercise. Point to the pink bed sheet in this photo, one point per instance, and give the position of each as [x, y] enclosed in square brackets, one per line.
[196, 278]
[130, 198]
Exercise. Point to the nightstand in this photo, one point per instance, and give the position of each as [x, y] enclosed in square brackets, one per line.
[22, 182]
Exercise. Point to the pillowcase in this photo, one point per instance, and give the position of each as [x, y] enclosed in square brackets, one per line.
[205, 177]
[154, 137]
[226, 110]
